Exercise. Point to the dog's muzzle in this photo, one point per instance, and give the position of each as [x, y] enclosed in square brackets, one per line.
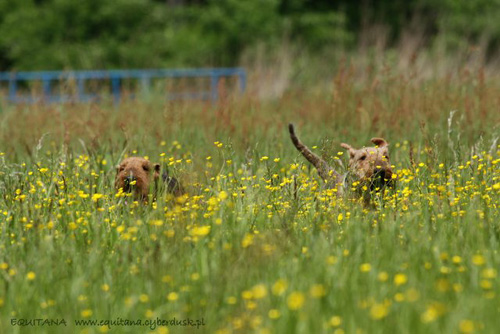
[128, 183]
[380, 179]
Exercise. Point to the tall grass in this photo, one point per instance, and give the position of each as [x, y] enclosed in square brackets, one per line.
[257, 245]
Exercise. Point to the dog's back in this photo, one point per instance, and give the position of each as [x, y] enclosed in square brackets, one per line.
[173, 185]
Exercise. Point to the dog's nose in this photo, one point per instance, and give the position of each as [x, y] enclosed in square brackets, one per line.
[129, 179]
[380, 172]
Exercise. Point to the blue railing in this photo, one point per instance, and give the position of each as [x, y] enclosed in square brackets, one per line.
[144, 77]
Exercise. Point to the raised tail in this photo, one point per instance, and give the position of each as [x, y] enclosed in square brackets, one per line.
[328, 174]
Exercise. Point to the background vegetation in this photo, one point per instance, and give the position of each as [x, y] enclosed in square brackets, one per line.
[92, 34]
[256, 246]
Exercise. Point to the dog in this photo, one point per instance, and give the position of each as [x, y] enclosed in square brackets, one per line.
[369, 167]
[138, 175]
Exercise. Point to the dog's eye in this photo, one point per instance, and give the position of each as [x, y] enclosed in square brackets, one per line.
[122, 169]
[363, 157]
[146, 168]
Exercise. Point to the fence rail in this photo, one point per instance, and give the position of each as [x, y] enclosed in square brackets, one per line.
[116, 77]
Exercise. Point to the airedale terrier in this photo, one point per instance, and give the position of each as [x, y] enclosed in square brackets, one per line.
[369, 167]
[138, 175]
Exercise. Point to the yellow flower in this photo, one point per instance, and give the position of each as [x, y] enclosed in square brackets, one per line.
[250, 305]
[96, 197]
[399, 297]
[274, 314]
[259, 291]
[223, 195]
[478, 260]
[365, 267]
[173, 296]
[317, 291]
[247, 294]
[212, 201]
[383, 276]
[82, 194]
[279, 287]
[485, 284]
[489, 273]
[443, 285]
[157, 222]
[379, 311]
[400, 279]
[335, 321]
[432, 312]
[143, 298]
[247, 240]
[200, 231]
[466, 326]
[30, 276]
[86, 313]
[295, 301]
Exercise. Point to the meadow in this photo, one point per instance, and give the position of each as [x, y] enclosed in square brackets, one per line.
[256, 245]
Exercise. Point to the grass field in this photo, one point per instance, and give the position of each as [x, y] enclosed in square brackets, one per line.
[256, 246]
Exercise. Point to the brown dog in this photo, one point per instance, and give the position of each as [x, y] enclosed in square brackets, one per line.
[138, 175]
[369, 167]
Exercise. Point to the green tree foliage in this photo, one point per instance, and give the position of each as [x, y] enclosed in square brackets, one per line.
[466, 22]
[89, 34]
[57, 34]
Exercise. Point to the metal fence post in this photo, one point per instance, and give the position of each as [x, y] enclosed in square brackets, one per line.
[214, 87]
[115, 88]
[12, 87]
[145, 85]
[81, 89]
[46, 87]
[243, 81]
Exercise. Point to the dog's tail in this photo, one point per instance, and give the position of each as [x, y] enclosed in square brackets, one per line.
[327, 173]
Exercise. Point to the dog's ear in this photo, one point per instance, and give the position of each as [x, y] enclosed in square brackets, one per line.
[118, 169]
[380, 142]
[156, 167]
[352, 151]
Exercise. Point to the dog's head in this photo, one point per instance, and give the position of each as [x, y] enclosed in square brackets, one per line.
[371, 165]
[135, 174]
